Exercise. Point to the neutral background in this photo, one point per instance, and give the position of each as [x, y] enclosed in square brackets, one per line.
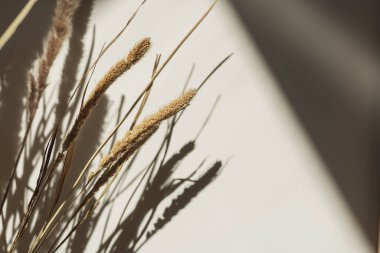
[328, 64]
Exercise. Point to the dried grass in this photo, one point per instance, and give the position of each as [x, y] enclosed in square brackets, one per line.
[59, 31]
[123, 65]
[150, 122]
[57, 221]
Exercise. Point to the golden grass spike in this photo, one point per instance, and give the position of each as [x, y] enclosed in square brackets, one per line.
[152, 121]
[123, 65]
[93, 174]
[134, 55]
[128, 152]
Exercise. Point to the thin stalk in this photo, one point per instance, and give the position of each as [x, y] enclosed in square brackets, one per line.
[16, 23]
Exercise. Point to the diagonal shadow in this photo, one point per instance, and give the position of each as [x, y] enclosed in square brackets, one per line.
[334, 92]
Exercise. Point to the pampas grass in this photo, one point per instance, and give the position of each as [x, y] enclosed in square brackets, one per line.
[65, 202]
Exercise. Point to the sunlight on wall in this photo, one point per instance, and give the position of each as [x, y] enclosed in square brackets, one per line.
[275, 195]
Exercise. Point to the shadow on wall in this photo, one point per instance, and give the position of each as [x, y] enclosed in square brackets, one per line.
[16, 58]
[325, 56]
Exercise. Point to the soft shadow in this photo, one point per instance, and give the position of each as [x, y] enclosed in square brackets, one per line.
[16, 58]
[332, 89]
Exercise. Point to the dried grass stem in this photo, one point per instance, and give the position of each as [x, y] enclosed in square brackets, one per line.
[123, 65]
